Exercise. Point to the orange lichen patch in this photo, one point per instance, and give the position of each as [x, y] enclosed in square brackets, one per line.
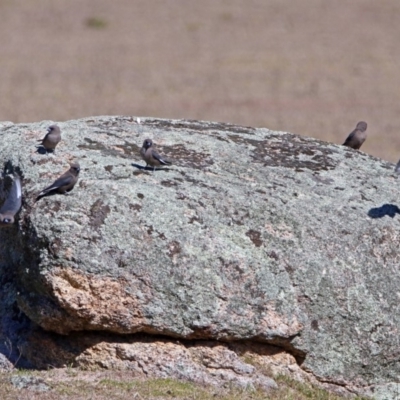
[97, 302]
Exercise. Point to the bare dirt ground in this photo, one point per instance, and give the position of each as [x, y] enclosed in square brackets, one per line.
[313, 67]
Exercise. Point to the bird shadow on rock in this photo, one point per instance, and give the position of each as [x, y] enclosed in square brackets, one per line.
[42, 150]
[151, 169]
[387, 209]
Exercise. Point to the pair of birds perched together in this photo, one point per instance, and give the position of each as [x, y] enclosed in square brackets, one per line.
[53, 137]
[63, 184]
[66, 182]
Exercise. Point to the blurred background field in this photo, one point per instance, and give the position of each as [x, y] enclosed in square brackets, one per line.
[312, 67]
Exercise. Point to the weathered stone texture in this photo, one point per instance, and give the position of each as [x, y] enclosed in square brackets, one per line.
[251, 235]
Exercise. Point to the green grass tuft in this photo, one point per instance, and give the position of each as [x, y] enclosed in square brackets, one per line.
[96, 23]
[106, 385]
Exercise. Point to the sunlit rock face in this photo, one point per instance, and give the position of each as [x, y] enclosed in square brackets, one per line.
[250, 236]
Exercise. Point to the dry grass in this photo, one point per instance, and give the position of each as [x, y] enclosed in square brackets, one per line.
[314, 68]
[75, 384]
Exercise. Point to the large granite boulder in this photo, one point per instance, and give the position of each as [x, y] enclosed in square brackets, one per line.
[264, 239]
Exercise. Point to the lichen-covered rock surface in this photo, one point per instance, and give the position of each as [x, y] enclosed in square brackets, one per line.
[252, 236]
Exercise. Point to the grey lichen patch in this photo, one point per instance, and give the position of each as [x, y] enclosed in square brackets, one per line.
[272, 254]
[325, 181]
[103, 149]
[240, 217]
[199, 126]
[289, 151]
[196, 219]
[196, 182]
[125, 150]
[131, 149]
[149, 229]
[181, 155]
[98, 213]
[384, 164]
[43, 161]
[169, 183]
[135, 207]
[180, 196]
[174, 248]
[293, 152]
[107, 122]
[239, 139]
[54, 207]
[29, 382]
[220, 138]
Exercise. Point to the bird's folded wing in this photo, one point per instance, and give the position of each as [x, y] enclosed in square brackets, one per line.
[159, 158]
[61, 181]
[14, 198]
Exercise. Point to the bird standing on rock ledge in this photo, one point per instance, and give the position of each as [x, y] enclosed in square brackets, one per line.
[52, 138]
[65, 183]
[357, 137]
[150, 155]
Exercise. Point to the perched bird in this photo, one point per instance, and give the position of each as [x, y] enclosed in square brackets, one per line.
[12, 203]
[357, 137]
[150, 155]
[65, 183]
[397, 168]
[52, 138]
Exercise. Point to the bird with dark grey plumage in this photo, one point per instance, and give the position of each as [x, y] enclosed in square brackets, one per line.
[357, 137]
[65, 183]
[150, 155]
[397, 168]
[52, 138]
[12, 203]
